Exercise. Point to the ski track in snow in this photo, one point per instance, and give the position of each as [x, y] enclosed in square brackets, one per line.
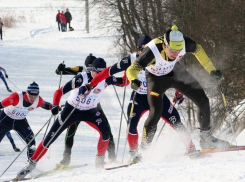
[33, 51]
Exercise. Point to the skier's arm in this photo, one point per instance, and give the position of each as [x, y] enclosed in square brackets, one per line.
[112, 80]
[75, 82]
[145, 58]
[199, 53]
[3, 70]
[43, 104]
[13, 99]
[122, 65]
[70, 70]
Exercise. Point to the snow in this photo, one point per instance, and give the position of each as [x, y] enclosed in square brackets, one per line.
[33, 50]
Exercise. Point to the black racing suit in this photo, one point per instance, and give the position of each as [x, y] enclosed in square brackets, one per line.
[178, 78]
[71, 130]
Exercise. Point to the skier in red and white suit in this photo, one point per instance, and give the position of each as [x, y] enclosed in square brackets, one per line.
[14, 110]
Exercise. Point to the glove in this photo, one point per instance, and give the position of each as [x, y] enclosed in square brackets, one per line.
[84, 90]
[61, 67]
[217, 74]
[55, 110]
[135, 84]
[110, 80]
[6, 76]
[179, 97]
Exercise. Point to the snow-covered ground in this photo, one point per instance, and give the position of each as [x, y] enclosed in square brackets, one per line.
[32, 51]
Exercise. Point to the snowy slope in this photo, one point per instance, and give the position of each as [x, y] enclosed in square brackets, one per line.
[32, 51]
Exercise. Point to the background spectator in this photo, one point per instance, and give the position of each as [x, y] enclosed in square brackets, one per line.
[63, 21]
[1, 31]
[68, 18]
[58, 19]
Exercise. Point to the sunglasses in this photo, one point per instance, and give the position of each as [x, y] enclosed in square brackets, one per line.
[89, 68]
[94, 69]
[33, 96]
[170, 49]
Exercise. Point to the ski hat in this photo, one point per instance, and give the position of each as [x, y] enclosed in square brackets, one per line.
[89, 60]
[143, 40]
[99, 65]
[33, 89]
[174, 39]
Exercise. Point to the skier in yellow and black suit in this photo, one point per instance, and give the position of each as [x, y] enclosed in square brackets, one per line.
[160, 59]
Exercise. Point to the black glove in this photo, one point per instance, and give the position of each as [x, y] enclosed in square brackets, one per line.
[135, 84]
[61, 67]
[217, 74]
[55, 110]
[6, 76]
[84, 89]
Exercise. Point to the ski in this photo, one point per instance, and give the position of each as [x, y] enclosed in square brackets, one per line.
[53, 171]
[117, 167]
[209, 151]
[16, 179]
[57, 170]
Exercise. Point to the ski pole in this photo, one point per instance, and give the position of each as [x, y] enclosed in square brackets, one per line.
[129, 123]
[119, 102]
[50, 146]
[20, 137]
[25, 147]
[14, 84]
[121, 117]
[225, 103]
[46, 129]
[54, 117]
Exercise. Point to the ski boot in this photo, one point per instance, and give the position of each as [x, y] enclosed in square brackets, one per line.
[9, 90]
[207, 141]
[31, 165]
[64, 163]
[135, 156]
[99, 162]
[16, 149]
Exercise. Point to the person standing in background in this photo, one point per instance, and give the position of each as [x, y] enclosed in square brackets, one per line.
[68, 18]
[58, 19]
[1, 31]
[63, 21]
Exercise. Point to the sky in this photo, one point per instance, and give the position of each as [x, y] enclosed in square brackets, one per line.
[33, 49]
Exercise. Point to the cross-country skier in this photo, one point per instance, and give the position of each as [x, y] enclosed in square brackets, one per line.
[160, 59]
[2, 77]
[14, 110]
[12, 142]
[86, 111]
[168, 113]
[71, 130]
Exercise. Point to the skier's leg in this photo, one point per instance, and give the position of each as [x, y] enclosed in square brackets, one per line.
[172, 117]
[24, 130]
[140, 107]
[111, 146]
[155, 92]
[99, 123]
[57, 128]
[189, 86]
[69, 140]
[12, 142]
